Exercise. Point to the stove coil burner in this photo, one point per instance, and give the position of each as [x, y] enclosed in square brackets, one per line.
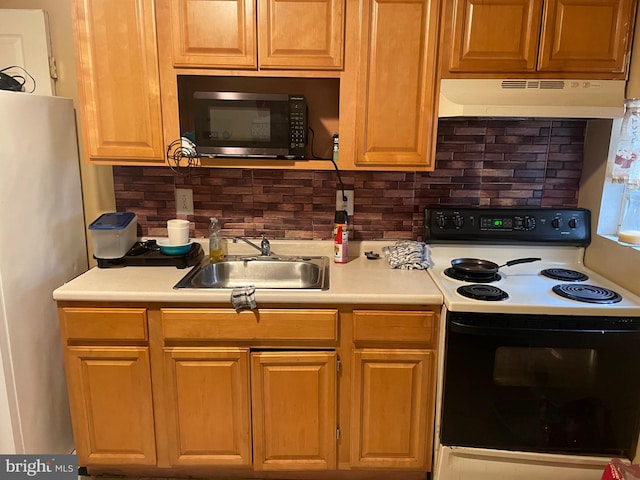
[472, 277]
[564, 274]
[586, 293]
[483, 292]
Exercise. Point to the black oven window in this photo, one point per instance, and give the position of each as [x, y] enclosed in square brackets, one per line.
[565, 390]
[545, 367]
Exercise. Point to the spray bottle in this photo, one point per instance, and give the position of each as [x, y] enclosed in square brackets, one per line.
[340, 236]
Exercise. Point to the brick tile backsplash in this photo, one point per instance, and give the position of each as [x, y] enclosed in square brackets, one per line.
[479, 162]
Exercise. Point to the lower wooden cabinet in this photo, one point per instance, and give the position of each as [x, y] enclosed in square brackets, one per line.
[392, 396]
[294, 410]
[393, 389]
[111, 405]
[213, 390]
[209, 416]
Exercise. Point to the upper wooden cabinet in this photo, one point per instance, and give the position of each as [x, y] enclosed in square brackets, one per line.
[118, 81]
[278, 34]
[395, 118]
[537, 36]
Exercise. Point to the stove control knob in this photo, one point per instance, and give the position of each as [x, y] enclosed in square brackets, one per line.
[556, 222]
[441, 221]
[458, 221]
[573, 223]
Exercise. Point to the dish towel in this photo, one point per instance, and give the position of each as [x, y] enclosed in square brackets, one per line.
[244, 297]
[408, 255]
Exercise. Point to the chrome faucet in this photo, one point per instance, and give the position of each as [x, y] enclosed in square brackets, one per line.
[264, 248]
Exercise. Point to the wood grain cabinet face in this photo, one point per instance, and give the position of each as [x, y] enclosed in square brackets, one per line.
[396, 85]
[111, 405]
[214, 33]
[538, 36]
[250, 34]
[118, 80]
[392, 397]
[301, 34]
[494, 35]
[586, 35]
[294, 410]
[108, 372]
[207, 390]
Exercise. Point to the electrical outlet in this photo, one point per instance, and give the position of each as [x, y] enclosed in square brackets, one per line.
[184, 201]
[345, 205]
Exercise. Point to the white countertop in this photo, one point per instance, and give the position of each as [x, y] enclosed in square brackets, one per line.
[358, 281]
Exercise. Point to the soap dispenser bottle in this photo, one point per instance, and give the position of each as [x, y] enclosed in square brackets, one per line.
[216, 252]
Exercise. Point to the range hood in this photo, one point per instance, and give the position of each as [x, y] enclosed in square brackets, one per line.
[531, 98]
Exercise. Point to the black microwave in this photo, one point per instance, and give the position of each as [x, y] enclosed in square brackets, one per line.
[255, 125]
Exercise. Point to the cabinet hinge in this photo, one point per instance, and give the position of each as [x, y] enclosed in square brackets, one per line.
[337, 433]
[338, 364]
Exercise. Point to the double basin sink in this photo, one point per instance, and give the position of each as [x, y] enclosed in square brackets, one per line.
[298, 272]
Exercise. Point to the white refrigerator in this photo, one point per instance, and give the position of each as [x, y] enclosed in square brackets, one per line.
[42, 246]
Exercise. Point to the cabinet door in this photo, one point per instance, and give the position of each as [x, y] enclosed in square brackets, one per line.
[118, 80]
[301, 34]
[207, 391]
[111, 405]
[214, 33]
[393, 408]
[294, 410]
[493, 35]
[586, 35]
[395, 117]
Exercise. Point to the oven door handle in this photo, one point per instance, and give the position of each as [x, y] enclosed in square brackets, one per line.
[466, 329]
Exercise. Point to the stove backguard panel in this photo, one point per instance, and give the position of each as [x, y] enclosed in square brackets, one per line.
[550, 226]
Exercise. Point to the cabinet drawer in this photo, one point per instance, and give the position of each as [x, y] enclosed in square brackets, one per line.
[104, 324]
[268, 324]
[411, 327]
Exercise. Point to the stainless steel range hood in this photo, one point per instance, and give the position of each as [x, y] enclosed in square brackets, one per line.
[531, 98]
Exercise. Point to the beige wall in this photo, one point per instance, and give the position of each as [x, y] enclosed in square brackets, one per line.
[605, 256]
[97, 181]
[616, 262]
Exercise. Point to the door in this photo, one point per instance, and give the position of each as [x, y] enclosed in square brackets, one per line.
[542, 383]
[119, 86]
[24, 41]
[392, 400]
[294, 410]
[586, 35]
[396, 119]
[208, 404]
[300, 34]
[494, 35]
[111, 405]
[214, 33]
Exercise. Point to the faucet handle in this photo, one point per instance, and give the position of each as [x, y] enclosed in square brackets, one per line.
[265, 245]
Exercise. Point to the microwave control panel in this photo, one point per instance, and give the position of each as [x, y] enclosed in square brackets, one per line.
[297, 125]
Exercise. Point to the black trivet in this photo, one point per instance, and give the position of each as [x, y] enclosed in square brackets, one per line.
[148, 254]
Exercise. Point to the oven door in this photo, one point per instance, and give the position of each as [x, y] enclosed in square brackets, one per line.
[542, 383]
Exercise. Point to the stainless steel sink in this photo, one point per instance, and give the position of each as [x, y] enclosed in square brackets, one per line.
[262, 272]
